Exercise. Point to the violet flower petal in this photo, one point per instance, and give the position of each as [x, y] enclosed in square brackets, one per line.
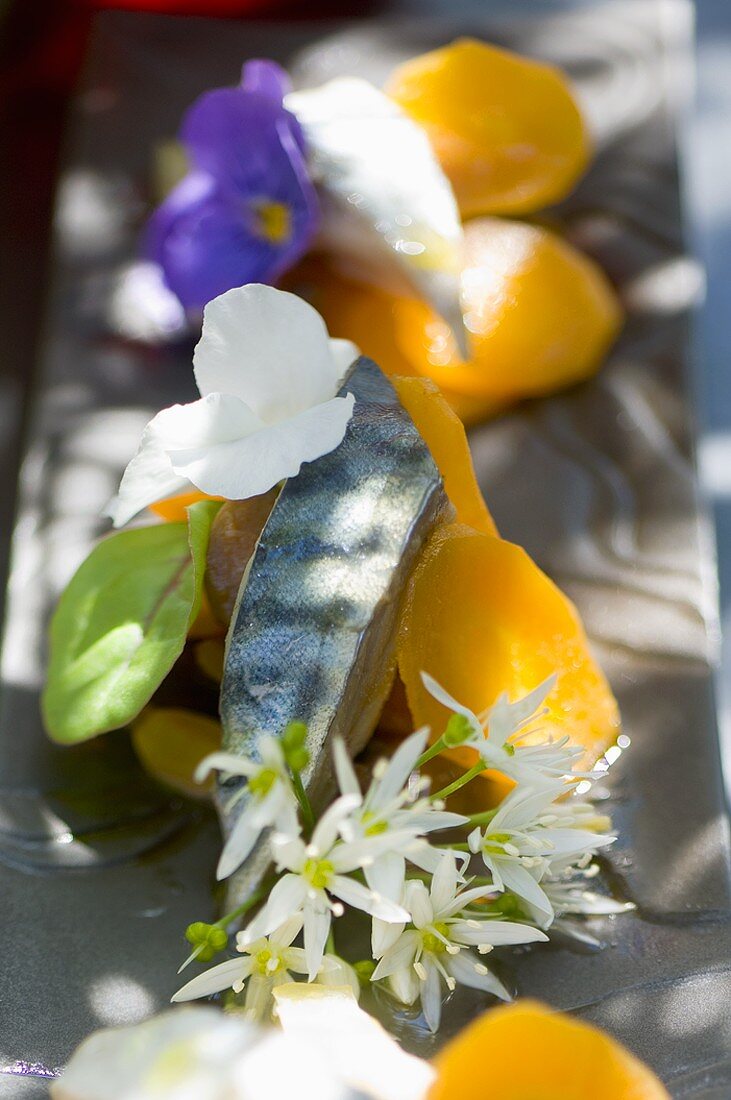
[266, 78]
[229, 133]
[207, 244]
[248, 209]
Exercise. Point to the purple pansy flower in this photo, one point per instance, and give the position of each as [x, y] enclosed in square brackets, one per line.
[247, 210]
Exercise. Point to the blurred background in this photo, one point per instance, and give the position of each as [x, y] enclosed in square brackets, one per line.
[594, 482]
[41, 48]
[707, 168]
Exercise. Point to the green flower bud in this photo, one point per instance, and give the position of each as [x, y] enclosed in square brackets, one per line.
[294, 735]
[298, 759]
[458, 731]
[208, 939]
[507, 905]
[364, 970]
[293, 744]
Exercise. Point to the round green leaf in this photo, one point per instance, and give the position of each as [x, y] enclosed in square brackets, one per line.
[121, 624]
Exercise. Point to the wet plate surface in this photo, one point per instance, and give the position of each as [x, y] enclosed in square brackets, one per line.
[100, 868]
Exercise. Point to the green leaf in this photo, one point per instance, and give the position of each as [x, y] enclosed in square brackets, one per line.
[121, 624]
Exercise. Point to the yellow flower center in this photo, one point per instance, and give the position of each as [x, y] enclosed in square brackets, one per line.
[261, 783]
[373, 827]
[493, 843]
[319, 872]
[431, 942]
[268, 962]
[274, 221]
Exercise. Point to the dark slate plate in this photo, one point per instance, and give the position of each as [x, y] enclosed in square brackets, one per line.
[100, 868]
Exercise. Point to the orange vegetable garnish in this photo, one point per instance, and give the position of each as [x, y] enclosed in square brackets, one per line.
[528, 1052]
[207, 624]
[539, 315]
[392, 329]
[444, 435]
[505, 128]
[481, 617]
[172, 741]
[209, 657]
[173, 509]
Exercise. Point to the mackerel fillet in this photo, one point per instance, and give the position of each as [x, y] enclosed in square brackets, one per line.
[313, 633]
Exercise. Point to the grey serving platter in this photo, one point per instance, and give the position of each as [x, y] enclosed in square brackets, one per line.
[100, 868]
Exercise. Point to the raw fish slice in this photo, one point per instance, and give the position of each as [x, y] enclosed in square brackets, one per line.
[314, 630]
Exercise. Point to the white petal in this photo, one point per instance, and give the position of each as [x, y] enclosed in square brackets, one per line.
[386, 875]
[285, 900]
[153, 474]
[398, 770]
[505, 718]
[287, 822]
[405, 985]
[493, 866]
[524, 804]
[496, 932]
[244, 836]
[360, 897]
[474, 840]
[149, 477]
[522, 883]
[401, 954]
[362, 143]
[431, 996]
[216, 418]
[575, 842]
[418, 902]
[422, 855]
[383, 936]
[427, 821]
[590, 904]
[295, 958]
[465, 898]
[336, 972]
[317, 929]
[344, 770]
[344, 354]
[444, 884]
[462, 968]
[270, 750]
[326, 830]
[214, 980]
[269, 348]
[265, 811]
[258, 1002]
[359, 853]
[227, 763]
[249, 466]
[288, 850]
[438, 692]
[287, 931]
[364, 1058]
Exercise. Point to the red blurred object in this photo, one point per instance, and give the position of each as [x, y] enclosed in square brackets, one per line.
[198, 7]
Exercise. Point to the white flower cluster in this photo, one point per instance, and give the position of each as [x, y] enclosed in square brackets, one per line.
[432, 923]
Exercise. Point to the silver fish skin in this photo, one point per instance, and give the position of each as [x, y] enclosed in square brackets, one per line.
[313, 634]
